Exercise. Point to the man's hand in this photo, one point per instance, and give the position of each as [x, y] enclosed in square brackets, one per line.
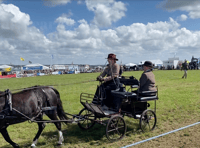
[99, 78]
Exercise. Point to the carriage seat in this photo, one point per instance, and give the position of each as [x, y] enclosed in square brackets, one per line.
[129, 80]
[124, 95]
[142, 96]
[147, 96]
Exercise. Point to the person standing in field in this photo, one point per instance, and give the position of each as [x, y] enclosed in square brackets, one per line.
[185, 68]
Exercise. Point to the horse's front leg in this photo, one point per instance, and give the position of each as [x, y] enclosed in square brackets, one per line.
[58, 126]
[6, 136]
[41, 126]
[61, 139]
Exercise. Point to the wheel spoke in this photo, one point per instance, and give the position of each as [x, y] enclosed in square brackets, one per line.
[116, 128]
[88, 119]
[149, 126]
[148, 117]
[83, 121]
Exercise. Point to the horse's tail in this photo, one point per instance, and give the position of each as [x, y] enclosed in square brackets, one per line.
[60, 110]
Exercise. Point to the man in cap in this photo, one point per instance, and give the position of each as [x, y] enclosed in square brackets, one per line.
[147, 79]
[185, 68]
[110, 77]
[112, 70]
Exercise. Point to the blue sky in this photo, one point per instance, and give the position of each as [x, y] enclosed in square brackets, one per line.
[85, 31]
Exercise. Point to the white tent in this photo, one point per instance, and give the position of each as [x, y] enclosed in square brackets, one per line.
[155, 62]
[5, 66]
[171, 62]
[61, 67]
[35, 67]
[130, 64]
[100, 67]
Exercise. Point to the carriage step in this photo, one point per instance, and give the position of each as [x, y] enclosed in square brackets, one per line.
[96, 102]
[49, 108]
[1, 116]
[11, 117]
[132, 116]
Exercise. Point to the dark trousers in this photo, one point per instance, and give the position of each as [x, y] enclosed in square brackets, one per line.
[117, 103]
[104, 92]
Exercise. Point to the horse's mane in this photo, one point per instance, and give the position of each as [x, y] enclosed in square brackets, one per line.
[26, 89]
[30, 88]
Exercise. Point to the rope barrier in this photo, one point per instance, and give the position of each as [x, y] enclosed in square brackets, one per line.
[161, 135]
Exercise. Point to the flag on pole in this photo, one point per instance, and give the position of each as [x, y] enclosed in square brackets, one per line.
[30, 62]
[22, 59]
[52, 56]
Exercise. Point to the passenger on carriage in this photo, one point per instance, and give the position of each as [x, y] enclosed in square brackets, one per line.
[147, 79]
[146, 83]
[111, 82]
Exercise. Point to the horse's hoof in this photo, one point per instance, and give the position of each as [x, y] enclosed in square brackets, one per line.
[16, 146]
[59, 144]
[33, 146]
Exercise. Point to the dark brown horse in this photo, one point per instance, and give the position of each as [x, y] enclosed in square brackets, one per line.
[30, 104]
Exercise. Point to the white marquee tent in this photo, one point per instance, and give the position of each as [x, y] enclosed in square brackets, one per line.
[155, 62]
[5, 66]
[35, 67]
[130, 64]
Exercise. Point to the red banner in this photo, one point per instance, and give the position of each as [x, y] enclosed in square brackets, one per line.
[8, 76]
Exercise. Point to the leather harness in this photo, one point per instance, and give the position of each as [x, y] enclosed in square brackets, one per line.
[8, 105]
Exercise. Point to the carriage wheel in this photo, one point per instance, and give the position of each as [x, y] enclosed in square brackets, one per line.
[148, 121]
[88, 121]
[116, 128]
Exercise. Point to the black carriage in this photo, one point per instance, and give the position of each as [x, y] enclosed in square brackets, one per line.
[134, 105]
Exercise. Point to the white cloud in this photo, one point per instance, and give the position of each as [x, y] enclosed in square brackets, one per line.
[86, 43]
[182, 17]
[106, 12]
[17, 36]
[13, 22]
[80, 2]
[126, 41]
[194, 10]
[56, 2]
[191, 6]
[64, 20]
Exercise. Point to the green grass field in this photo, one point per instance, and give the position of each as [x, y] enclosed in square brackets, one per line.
[178, 106]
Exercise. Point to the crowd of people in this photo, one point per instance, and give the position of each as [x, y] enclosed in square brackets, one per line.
[27, 73]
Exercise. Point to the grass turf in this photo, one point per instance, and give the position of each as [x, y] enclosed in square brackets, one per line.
[178, 106]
